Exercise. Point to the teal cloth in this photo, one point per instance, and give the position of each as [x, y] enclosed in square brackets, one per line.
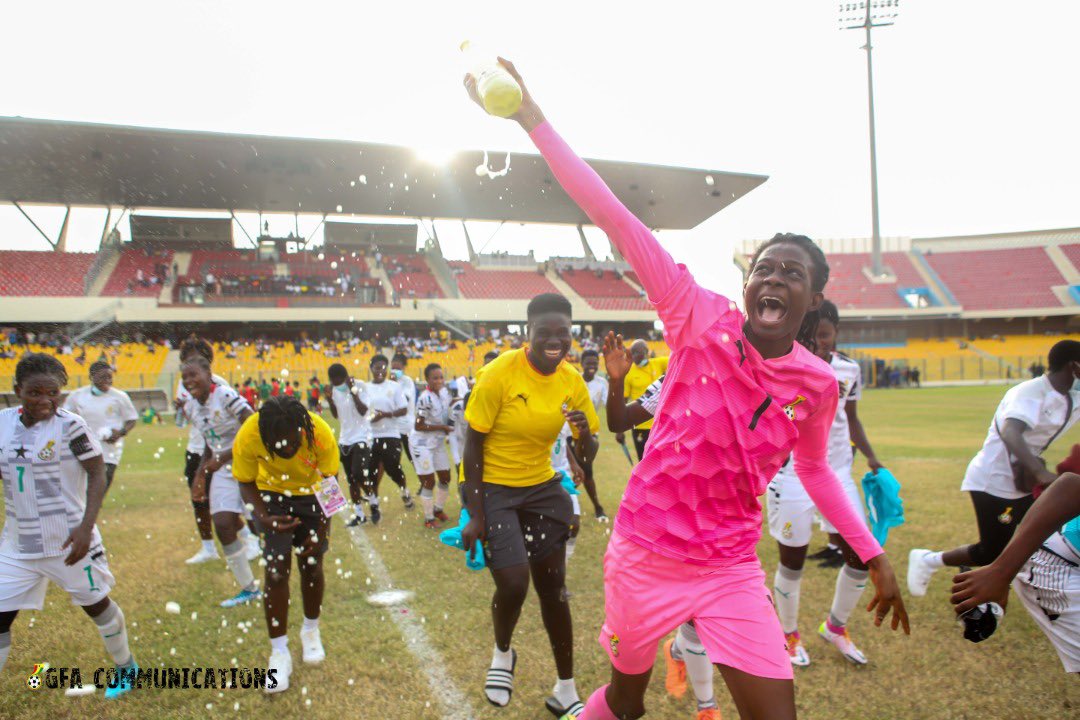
[568, 483]
[452, 537]
[884, 507]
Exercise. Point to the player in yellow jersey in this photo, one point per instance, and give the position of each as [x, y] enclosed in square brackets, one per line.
[643, 373]
[515, 499]
[282, 456]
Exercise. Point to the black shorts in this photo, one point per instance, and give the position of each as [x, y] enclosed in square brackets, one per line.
[191, 464]
[997, 519]
[525, 523]
[303, 507]
[356, 462]
[640, 438]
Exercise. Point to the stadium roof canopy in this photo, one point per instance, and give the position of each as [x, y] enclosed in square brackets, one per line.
[68, 163]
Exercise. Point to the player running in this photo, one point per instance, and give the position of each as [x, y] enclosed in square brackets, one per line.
[54, 482]
[348, 400]
[1041, 562]
[429, 445]
[643, 373]
[740, 395]
[389, 404]
[407, 422]
[515, 499]
[684, 655]
[108, 412]
[196, 446]
[218, 412]
[598, 391]
[1002, 476]
[791, 511]
[282, 456]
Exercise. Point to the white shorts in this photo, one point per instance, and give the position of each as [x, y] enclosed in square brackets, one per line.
[225, 493]
[1049, 587]
[428, 460]
[791, 511]
[23, 582]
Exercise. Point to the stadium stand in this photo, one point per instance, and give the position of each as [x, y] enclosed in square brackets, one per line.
[499, 284]
[411, 276]
[227, 263]
[137, 365]
[849, 287]
[1072, 252]
[124, 277]
[604, 291]
[35, 273]
[977, 278]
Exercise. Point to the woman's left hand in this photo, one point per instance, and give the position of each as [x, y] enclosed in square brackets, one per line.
[886, 594]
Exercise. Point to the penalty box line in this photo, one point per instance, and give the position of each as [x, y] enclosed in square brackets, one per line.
[455, 705]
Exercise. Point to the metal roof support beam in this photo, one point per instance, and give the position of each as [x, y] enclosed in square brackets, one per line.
[105, 227]
[589, 255]
[308, 238]
[241, 226]
[468, 243]
[61, 240]
[36, 227]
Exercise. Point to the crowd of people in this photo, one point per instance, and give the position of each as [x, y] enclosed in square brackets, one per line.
[748, 404]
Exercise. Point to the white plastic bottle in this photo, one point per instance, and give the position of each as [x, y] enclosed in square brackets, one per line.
[497, 88]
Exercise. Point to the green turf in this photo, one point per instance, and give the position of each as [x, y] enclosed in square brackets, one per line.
[925, 436]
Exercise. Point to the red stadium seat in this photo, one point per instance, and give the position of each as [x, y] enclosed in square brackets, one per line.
[411, 276]
[850, 289]
[37, 273]
[127, 269]
[500, 284]
[606, 292]
[979, 278]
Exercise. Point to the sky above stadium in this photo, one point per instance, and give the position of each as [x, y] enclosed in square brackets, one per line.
[976, 101]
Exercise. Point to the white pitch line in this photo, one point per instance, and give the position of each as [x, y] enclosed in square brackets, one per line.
[454, 703]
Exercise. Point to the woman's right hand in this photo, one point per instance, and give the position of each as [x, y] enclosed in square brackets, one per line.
[528, 115]
[617, 360]
[473, 531]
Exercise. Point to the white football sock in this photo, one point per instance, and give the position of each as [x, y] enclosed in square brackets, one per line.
[209, 547]
[428, 503]
[114, 632]
[310, 624]
[243, 533]
[358, 509]
[570, 543]
[5, 648]
[501, 661]
[698, 668]
[565, 692]
[786, 597]
[442, 492]
[280, 643]
[236, 559]
[373, 500]
[850, 584]
[934, 559]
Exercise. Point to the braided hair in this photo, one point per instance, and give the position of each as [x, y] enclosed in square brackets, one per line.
[278, 416]
[819, 276]
[32, 364]
[196, 345]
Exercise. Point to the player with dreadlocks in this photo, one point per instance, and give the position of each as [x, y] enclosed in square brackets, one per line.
[53, 473]
[740, 396]
[282, 456]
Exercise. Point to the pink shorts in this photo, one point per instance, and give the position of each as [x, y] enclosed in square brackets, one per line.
[647, 595]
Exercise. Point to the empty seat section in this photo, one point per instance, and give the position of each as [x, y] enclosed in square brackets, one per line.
[500, 284]
[999, 279]
[47, 273]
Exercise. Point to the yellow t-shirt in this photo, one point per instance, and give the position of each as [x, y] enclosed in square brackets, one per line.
[520, 411]
[638, 379]
[297, 475]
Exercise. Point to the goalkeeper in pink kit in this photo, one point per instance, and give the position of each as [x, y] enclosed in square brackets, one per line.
[740, 396]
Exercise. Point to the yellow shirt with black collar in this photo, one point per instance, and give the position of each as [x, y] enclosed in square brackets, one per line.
[638, 379]
[521, 411]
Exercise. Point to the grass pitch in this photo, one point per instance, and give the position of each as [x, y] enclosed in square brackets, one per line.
[925, 436]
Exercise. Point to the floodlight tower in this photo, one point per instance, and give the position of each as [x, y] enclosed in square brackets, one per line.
[866, 16]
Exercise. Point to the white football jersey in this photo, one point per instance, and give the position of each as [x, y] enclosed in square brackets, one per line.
[598, 390]
[219, 419]
[434, 408]
[195, 444]
[103, 413]
[386, 397]
[355, 427]
[560, 462]
[1044, 410]
[407, 422]
[44, 482]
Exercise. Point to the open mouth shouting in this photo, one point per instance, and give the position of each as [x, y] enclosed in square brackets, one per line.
[771, 310]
